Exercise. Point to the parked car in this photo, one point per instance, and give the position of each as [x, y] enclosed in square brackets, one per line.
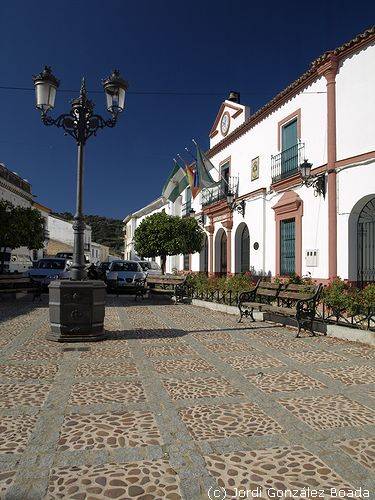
[125, 274]
[17, 263]
[150, 267]
[103, 269]
[49, 269]
[69, 257]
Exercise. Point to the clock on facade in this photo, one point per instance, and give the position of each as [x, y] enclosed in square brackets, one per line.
[224, 124]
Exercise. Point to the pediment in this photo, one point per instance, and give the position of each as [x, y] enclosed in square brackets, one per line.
[235, 113]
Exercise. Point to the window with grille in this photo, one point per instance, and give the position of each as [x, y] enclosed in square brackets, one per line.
[287, 246]
[186, 262]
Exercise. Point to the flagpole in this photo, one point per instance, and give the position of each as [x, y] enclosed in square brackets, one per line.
[217, 170]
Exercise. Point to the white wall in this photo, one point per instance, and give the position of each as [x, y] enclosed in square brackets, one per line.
[355, 103]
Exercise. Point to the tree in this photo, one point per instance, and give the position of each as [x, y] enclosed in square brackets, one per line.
[19, 227]
[160, 235]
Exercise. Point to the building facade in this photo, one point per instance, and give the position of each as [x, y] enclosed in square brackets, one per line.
[99, 253]
[61, 236]
[17, 191]
[288, 226]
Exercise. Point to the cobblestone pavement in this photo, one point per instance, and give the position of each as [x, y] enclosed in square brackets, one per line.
[178, 402]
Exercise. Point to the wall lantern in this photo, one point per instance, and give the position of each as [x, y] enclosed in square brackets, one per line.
[318, 182]
[235, 206]
[201, 219]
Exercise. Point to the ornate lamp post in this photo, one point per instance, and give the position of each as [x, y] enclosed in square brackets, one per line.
[77, 305]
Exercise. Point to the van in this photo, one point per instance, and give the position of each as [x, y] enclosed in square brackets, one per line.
[17, 263]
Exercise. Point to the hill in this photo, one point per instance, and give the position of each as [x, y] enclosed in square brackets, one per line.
[104, 230]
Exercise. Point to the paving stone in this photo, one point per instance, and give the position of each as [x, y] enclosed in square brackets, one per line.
[146, 479]
[284, 381]
[272, 470]
[85, 393]
[200, 387]
[351, 375]
[362, 450]
[223, 421]
[177, 400]
[13, 395]
[15, 432]
[108, 430]
[324, 412]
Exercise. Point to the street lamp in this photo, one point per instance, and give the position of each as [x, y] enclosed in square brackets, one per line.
[77, 306]
[318, 182]
[234, 205]
[201, 220]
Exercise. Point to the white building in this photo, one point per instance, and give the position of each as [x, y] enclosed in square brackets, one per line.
[99, 252]
[326, 116]
[18, 192]
[45, 213]
[61, 236]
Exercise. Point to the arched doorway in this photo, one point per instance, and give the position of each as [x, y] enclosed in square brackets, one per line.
[366, 243]
[242, 249]
[203, 256]
[221, 252]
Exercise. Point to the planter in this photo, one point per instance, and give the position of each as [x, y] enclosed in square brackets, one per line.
[337, 331]
[214, 306]
[352, 334]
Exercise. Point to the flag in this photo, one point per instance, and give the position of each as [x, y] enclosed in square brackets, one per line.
[192, 176]
[175, 184]
[204, 167]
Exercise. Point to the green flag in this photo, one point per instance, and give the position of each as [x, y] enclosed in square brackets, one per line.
[204, 167]
[175, 184]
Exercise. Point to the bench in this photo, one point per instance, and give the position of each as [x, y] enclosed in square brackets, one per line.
[12, 284]
[260, 297]
[295, 301]
[167, 284]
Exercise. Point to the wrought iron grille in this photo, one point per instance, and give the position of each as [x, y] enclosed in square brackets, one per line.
[366, 243]
[286, 163]
[186, 207]
[287, 247]
[219, 191]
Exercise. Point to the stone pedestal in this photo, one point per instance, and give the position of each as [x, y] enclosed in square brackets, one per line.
[76, 310]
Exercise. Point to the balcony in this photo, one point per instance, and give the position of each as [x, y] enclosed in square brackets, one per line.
[186, 207]
[286, 163]
[46, 234]
[219, 191]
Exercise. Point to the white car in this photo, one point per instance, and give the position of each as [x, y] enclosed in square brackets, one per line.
[49, 269]
[150, 267]
[125, 274]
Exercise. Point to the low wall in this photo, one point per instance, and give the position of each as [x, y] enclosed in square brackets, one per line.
[337, 331]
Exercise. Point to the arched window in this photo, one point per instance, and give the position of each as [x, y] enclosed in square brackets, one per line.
[245, 250]
[366, 243]
[223, 253]
[203, 258]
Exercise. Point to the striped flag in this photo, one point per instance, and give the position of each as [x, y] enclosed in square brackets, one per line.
[175, 184]
[192, 176]
[204, 167]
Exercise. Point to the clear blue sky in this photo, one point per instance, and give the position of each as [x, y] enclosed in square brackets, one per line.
[202, 46]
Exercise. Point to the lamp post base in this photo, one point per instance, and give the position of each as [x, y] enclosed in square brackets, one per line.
[77, 310]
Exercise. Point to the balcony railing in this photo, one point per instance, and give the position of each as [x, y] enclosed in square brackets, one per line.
[186, 207]
[219, 191]
[286, 163]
